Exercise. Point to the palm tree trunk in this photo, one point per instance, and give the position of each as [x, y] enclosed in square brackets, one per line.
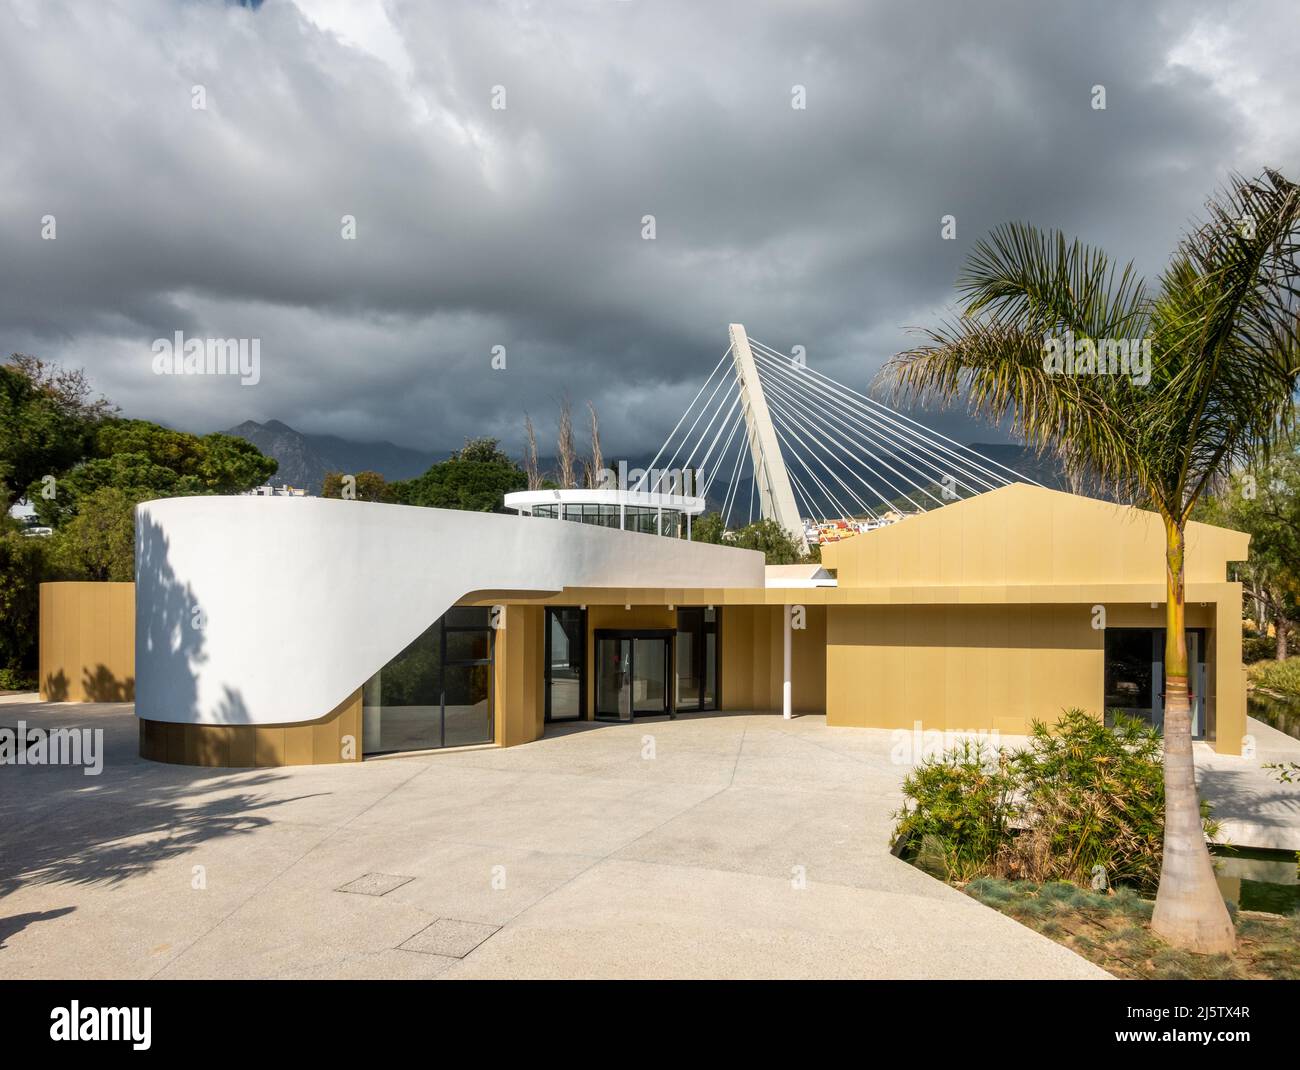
[1281, 624]
[1189, 911]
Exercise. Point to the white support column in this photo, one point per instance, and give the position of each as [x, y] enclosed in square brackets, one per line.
[785, 676]
[775, 494]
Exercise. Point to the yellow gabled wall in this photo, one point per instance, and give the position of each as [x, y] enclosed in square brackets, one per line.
[1021, 534]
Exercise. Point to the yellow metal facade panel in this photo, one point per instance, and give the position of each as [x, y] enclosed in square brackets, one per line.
[87, 642]
[1021, 534]
[518, 676]
[960, 668]
[1226, 677]
[319, 742]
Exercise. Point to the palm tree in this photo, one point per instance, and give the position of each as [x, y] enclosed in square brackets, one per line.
[1221, 331]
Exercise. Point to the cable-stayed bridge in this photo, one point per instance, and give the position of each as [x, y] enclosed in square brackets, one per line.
[817, 457]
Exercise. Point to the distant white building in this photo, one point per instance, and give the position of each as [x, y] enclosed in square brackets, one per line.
[25, 513]
[266, 490]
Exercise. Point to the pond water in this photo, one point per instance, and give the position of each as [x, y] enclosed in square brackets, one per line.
[1281, 713]
[1258, 880]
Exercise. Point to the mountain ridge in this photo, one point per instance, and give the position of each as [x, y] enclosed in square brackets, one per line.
[304, 459]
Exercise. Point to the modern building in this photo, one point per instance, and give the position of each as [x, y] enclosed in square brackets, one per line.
[284, 629]
[303, 630]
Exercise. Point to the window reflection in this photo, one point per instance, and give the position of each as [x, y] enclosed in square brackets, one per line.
[437, 692]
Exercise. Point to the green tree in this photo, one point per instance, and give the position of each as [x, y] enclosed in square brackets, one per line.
[482, 450]
[776, 545]
[47, 417]
[51, 425]
[1264, 501]
[98, 543]
[230, 465]
[476, 477]
[368, 486]
[708, 528]
[22, 566]
[146, 460]
[769, 538]
[1223, 331]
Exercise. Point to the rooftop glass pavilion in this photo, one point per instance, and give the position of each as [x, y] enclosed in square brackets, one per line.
[628, 510]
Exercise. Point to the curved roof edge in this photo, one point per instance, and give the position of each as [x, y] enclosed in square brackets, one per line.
[253, 610]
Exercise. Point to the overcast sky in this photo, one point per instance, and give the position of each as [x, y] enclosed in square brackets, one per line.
[522, 226]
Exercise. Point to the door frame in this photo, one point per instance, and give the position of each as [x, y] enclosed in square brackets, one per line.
[546, 666]
[1197, 675]
[444, 663]
[700, 646]
[668, 635]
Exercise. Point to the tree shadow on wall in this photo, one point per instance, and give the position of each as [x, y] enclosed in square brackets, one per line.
[56, 687]
[102, 686]
[168, 645]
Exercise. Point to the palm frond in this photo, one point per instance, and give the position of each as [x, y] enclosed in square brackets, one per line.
[1223, 328]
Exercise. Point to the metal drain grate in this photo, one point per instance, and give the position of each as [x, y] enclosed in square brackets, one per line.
[449, 937]
[375, 884]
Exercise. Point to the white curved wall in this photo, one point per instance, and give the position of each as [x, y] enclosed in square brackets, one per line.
[254, 610]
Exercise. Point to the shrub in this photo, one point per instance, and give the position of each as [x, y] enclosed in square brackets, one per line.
[1080, 801]
[1257, 648]
[16, 680]
[1094, 797]
[960, 806]
[1281, 676]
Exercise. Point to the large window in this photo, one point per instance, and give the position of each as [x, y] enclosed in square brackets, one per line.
[1130, 671]
[1135, 675]
[435, 693]
[634, 517]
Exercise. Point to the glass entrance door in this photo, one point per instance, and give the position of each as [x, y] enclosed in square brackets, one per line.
[650, 674]
[696, 658]
[633, 669]
[613, 678]
[566, 655]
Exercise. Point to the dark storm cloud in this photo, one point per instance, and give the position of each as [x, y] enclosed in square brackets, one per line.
[521, 227]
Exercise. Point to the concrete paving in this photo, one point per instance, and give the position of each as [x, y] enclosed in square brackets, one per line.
[727, 845]
[1254, 808]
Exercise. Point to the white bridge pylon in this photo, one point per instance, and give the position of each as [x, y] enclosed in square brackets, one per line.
[775, 492]
[811, 451]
